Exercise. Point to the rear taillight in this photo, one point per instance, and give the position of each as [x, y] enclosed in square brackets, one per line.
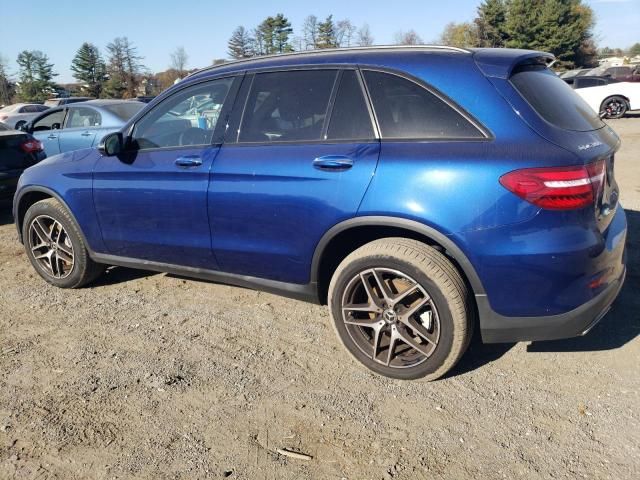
[31, 146]
[557, 188]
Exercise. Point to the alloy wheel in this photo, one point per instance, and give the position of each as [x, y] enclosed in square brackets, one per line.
[390, 317]
[51, 246]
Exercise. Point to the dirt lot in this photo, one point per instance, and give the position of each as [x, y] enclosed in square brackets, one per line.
[156, 377]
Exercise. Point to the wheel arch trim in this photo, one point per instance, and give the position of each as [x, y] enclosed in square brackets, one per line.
[53, 194]
[396, 222]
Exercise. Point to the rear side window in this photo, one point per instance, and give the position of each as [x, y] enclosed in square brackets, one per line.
[350, 117]
[407, 110]
[124, 111]
[287, 106]
[554, 100]
[588, 82]
[83, 118]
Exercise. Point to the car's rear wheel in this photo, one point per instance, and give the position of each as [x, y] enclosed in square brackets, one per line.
[614, 107]
[55, 246]
[401, 309]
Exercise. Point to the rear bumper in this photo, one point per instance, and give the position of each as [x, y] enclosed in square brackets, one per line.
[498, 329]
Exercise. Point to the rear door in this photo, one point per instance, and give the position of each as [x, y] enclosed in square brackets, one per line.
[299, 155]
[80, 128]
[47, 128]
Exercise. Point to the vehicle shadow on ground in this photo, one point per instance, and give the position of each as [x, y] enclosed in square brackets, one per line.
[115, 275]
[620, 326]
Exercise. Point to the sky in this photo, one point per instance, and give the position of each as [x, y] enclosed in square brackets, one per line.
[157, 27]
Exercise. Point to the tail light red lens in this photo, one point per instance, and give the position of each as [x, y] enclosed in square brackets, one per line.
[557, 188]
[31, 146]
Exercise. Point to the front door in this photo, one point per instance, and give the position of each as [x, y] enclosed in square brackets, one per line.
[47, 128]
[80, 128]
[151, 202]
[301, 161]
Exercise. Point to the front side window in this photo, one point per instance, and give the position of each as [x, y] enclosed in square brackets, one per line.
[186, 118]
[83, 117]
[407, 110]
[51, 121]
[287, 106]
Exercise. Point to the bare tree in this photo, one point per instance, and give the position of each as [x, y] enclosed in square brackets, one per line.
[364, 39]
[179, 59]
[345, 31]
[310, 32]
[409, 37]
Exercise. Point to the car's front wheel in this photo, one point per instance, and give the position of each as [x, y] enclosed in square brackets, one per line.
[401, 309]
[55, 246]
[614, 107]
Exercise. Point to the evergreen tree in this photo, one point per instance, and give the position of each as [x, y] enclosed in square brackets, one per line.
[490, 23]
[240, 44]
[89, 68]
[272, 35]
[35, 76]
[634, 50]
[326, 34]
[124, 69]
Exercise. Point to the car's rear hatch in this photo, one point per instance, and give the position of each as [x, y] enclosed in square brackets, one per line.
[554, 111]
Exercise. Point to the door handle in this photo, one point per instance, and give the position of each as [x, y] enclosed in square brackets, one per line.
[52, 137]
[86, 134]
[188, 161]
[333, 162]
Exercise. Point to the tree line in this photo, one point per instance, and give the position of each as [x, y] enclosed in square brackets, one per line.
[120, 74]
[275, 35]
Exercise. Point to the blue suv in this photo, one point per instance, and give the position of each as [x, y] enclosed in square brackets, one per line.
[419, 192]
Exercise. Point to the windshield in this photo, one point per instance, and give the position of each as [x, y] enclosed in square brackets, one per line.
[124, 111]
[554, 100]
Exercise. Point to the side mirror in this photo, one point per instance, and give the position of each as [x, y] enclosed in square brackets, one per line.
[111, 145]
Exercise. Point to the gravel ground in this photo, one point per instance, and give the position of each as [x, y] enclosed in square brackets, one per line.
[152, 376]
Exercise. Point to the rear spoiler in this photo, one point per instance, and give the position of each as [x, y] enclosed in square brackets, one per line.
[500, 62]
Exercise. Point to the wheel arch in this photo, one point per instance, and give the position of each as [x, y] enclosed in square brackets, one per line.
[608, 97]
[350, 234]
[30, 195]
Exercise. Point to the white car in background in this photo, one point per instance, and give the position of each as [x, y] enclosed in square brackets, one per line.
[18, 114]
[612, 100]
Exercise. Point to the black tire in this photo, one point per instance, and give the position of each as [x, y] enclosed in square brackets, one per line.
[448, 309]
[614, 107]
[64, 239]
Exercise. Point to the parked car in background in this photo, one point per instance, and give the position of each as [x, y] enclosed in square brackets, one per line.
[578, 72]
[56, 102]
[20, 113]
[421, 192]
[143, 98]
[587, 81]
[612, 100]
[18, 151]
[80, 125]
[623, 73]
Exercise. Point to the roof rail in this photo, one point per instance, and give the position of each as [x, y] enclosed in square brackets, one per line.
[322, 51]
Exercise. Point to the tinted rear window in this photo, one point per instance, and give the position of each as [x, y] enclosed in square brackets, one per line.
[350, 117]
[554, 100]
[407, 110]
[124, 111]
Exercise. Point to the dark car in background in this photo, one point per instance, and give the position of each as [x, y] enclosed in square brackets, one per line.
[589, 81]
[56, 102]
[622, 73]
[18, 151]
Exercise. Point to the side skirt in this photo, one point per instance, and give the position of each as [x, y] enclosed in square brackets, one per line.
[305, 293]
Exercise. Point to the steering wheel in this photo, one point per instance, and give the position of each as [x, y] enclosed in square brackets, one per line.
[193, 136]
